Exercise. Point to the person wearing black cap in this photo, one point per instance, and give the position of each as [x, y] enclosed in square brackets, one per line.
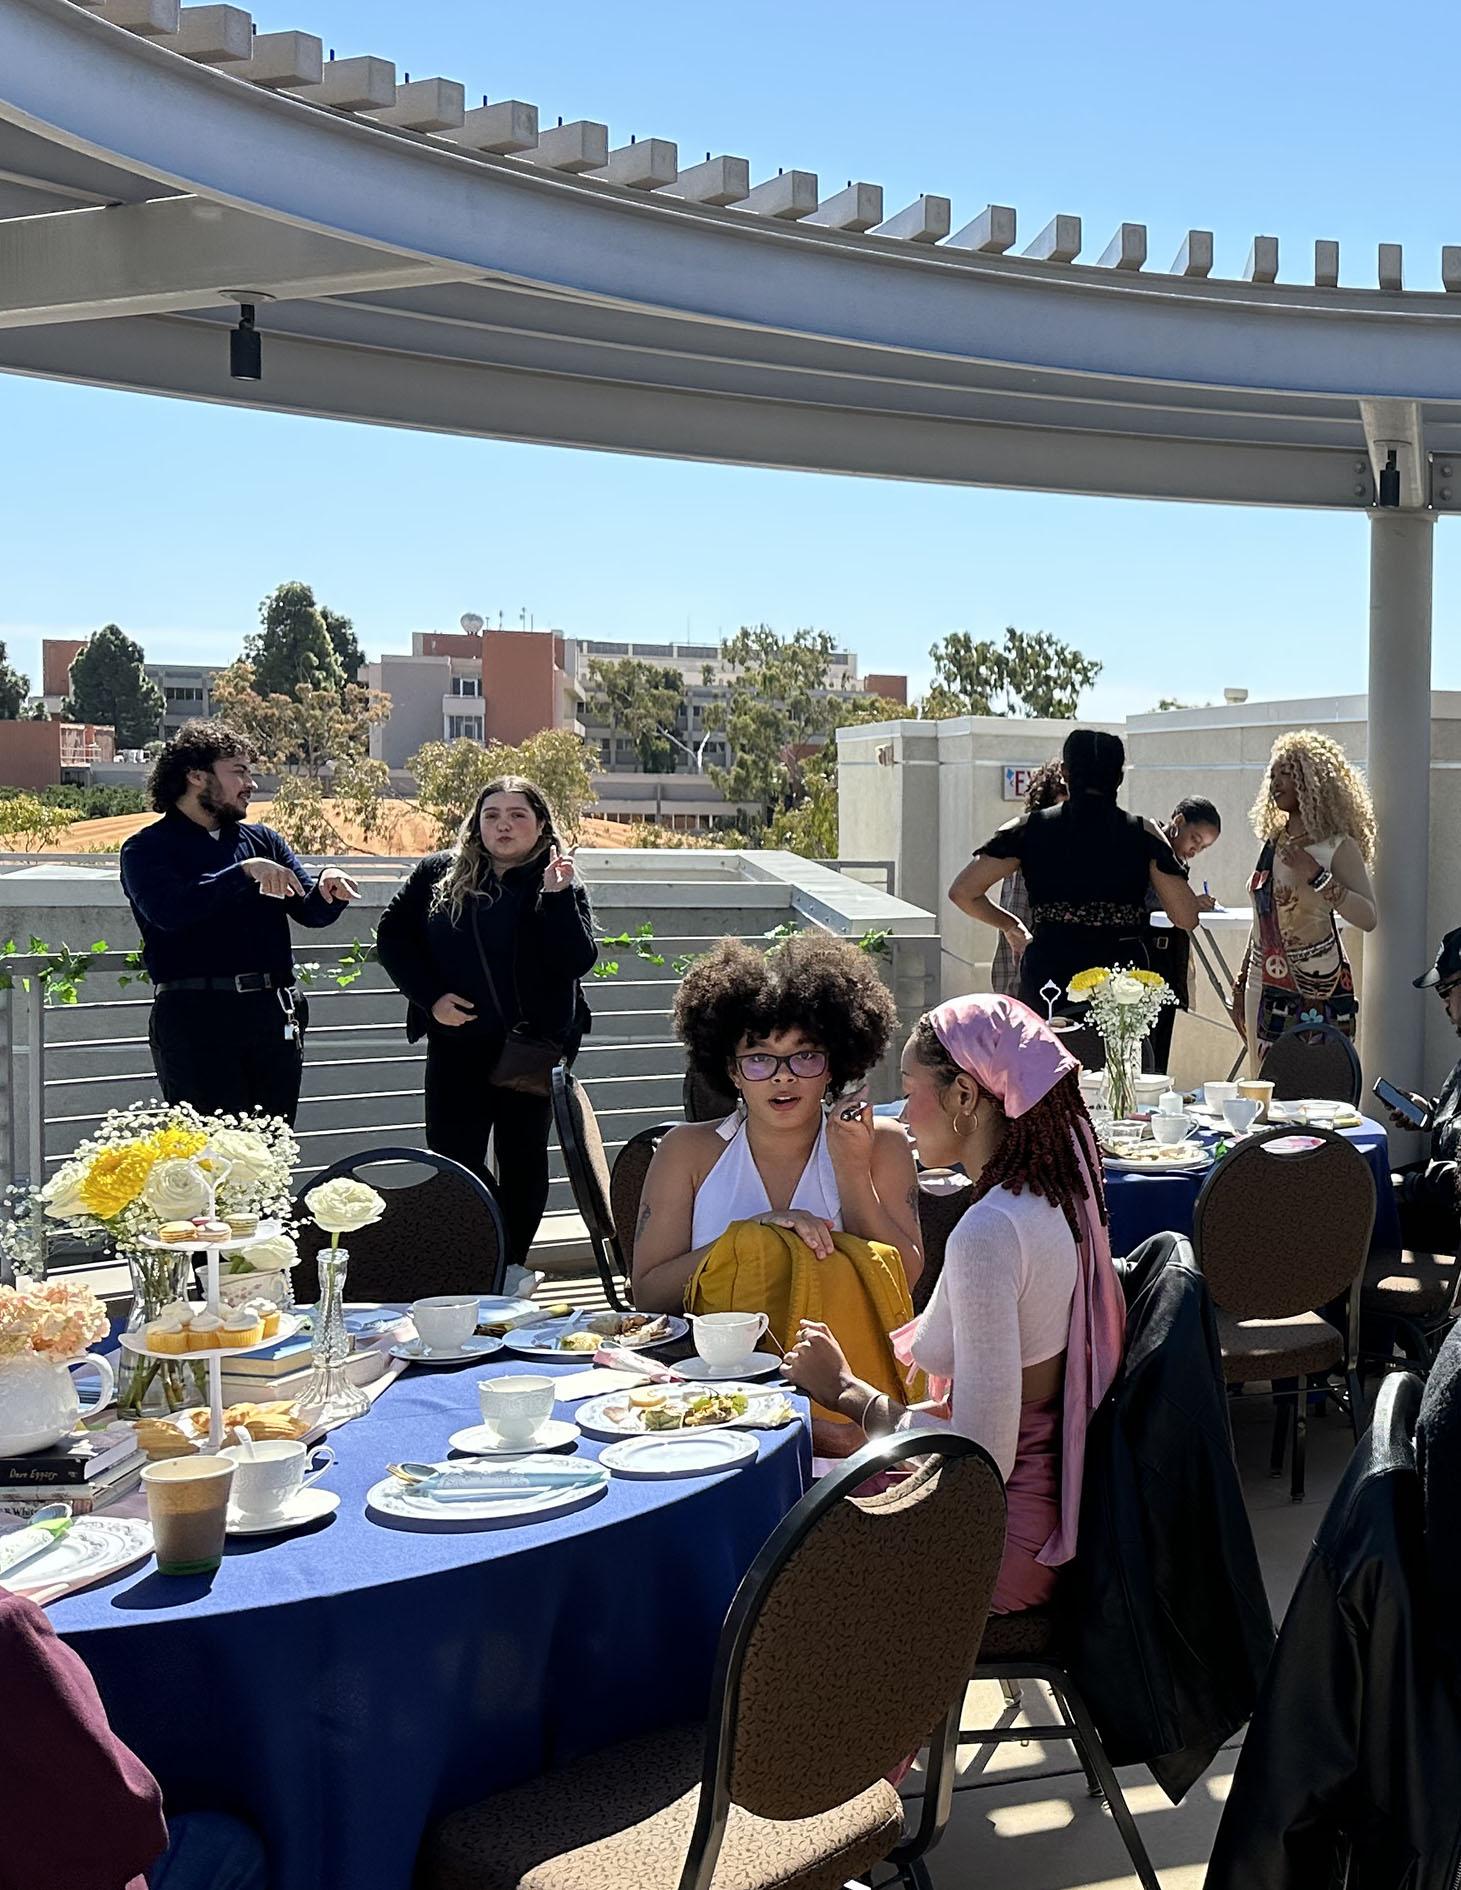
[1088, 867]
[1426, 1192]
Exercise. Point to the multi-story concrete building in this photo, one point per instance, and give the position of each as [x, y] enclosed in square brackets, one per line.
[185, 686]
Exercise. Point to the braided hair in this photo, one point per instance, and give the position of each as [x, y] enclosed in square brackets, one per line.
[1042, 1149]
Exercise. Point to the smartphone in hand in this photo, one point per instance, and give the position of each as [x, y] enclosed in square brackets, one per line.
[1402, 1104]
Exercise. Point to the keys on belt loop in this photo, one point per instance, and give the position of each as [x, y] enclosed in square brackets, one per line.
[286, 1004]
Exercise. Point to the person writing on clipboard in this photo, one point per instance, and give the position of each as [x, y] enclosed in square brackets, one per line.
[1195, 826]
[1426, 1191]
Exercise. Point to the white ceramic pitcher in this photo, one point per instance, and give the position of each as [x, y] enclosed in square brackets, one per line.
[38, 1401]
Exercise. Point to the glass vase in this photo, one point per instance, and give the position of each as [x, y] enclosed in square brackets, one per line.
[1118, 1084]
[152, 1387]
[329, 1394]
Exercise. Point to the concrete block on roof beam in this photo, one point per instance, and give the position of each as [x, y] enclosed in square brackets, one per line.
[1058, 242]
[214, 35]
[791, 196]
[281, 61]
[361, 84]
[647, 164]
[426, 105]
[152, 19]
[926, 220]
[1451, 267]
[1392, 266]
[580, 146]
[1326, 264]
[991, 233]
[858, 208]
[718, 180]
[1195, 256]
[507, 126]
[1127, 248]
[1262, 263]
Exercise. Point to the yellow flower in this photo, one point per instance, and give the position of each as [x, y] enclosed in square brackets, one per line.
[1085, 982]
[1152, 979]
[115, 1179]
[175, 1144]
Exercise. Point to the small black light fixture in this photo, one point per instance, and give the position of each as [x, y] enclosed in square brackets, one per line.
[1388, 493]
[245, 346]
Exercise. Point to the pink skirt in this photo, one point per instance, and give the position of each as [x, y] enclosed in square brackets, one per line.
[1032, 1510]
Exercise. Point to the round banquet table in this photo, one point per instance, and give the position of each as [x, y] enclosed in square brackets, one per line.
[341, 1688]
[1142, 1205]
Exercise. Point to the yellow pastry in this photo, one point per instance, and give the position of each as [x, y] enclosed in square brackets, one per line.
[271, 1321]
[168, 1338]
[243, 1226]
[206, 1333]
[177, 1231]
[647, 1397]
[242, 1327]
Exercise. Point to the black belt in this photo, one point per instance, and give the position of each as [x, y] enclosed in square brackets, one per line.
[245, 982]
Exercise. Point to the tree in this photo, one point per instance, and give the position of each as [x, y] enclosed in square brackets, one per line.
[341, 632]
[779, 703]
[309, 730]
[27, 825]
[110, 685]
[648, 704]
[294, 645]
[810, 825]
[450, 776]
[14, 688]
[1031, 673]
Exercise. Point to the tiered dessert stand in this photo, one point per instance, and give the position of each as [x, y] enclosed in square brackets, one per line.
[214, 1355]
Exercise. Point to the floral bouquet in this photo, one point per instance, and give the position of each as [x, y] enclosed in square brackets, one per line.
[146, 1165]
[51, 1318]
[1124, 1005]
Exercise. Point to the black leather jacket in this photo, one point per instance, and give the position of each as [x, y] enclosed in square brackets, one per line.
[1350, 1773]
[1169, 1631]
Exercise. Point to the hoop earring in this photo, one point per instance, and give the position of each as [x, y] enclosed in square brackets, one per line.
[966, 1125]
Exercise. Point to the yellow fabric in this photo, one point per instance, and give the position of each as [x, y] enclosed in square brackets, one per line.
[859, 1292]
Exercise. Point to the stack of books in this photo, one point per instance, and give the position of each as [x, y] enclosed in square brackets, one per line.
[87, 1470]
[282, 1368]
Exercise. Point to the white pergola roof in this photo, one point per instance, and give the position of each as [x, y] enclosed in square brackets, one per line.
[554, 289]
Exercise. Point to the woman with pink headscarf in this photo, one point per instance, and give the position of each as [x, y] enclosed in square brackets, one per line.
[1022, 1337]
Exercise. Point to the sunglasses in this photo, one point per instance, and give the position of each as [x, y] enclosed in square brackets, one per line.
[759, 1066]
[1443, 991]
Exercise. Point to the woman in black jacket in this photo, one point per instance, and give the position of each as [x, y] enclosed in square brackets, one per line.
[494, 933]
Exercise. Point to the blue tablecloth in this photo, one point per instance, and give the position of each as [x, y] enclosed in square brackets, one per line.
[1142, 1205]
[342, 1688]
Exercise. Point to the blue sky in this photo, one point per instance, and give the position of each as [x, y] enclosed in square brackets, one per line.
[174, 519]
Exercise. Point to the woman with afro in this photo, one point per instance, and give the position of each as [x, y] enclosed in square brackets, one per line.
[794, 1031]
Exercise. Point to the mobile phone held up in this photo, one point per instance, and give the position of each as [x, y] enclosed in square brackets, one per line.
[1402, 1104]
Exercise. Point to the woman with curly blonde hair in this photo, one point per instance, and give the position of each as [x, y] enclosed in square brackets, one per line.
[1317, 829]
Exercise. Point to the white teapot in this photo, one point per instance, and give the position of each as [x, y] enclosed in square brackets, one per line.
[38, 1401]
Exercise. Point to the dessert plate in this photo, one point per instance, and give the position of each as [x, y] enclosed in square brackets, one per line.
[303, 1508]
[400, 1506]
[680, 1454]
[93, 1547]
[546, 1340]
[614, 1417]
[758, 1365]
[137, 1342]
[480, 1440]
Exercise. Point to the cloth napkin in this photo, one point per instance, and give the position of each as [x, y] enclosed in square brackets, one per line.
[477, 1486]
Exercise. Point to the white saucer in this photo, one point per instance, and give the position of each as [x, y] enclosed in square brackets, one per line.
[416, 1353]
[676, 1454]
[479, 1440]
[307, 1507]
[758, 1365]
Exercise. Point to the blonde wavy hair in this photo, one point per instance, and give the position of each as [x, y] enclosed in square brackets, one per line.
[1334, 801]
[470, 870]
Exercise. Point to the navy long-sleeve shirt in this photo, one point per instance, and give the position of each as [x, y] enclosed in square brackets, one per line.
[200, 914]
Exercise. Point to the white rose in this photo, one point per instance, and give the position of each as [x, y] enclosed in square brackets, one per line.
[246, 1156]
[276, 1254]
[343, 1207]
[61, 1197]
[176, 1190]
[1127, 990]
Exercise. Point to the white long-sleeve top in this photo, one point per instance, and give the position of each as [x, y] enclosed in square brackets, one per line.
[1002, 1303]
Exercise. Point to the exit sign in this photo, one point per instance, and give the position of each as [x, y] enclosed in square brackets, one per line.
[1017, 779]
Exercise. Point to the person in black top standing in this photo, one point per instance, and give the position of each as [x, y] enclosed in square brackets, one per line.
[213, 895]
[1087, 866]
[1195, 826]
[493, 934]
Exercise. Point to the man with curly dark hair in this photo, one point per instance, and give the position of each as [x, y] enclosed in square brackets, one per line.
[210, 892]
[794, 1031]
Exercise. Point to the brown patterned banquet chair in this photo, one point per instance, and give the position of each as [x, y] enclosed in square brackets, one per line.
[1313, 1061]
[626, 1185]
[1409, 1296]
[848, 1645]
[440, 1235]
[704, 1101]
[587, 1162]
[1277, 1234]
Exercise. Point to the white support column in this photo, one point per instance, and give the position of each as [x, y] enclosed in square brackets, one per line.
[1392, 1017]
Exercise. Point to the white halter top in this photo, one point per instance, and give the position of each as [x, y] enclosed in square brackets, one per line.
[734, 1190]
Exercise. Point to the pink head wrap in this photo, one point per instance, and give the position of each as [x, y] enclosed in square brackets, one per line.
[1012, 1055]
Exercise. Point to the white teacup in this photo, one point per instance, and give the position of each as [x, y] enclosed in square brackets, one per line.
[268, 1476]
[728, 1338]
[1240, 1113]
[1170, 1129]
[445, 1321]
[1170, 1103]
[515, 1408]
[1216, 1094]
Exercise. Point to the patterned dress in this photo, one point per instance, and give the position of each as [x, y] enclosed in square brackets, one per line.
[1298, 972]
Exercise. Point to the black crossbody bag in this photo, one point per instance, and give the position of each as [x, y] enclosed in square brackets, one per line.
[527, 1059]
